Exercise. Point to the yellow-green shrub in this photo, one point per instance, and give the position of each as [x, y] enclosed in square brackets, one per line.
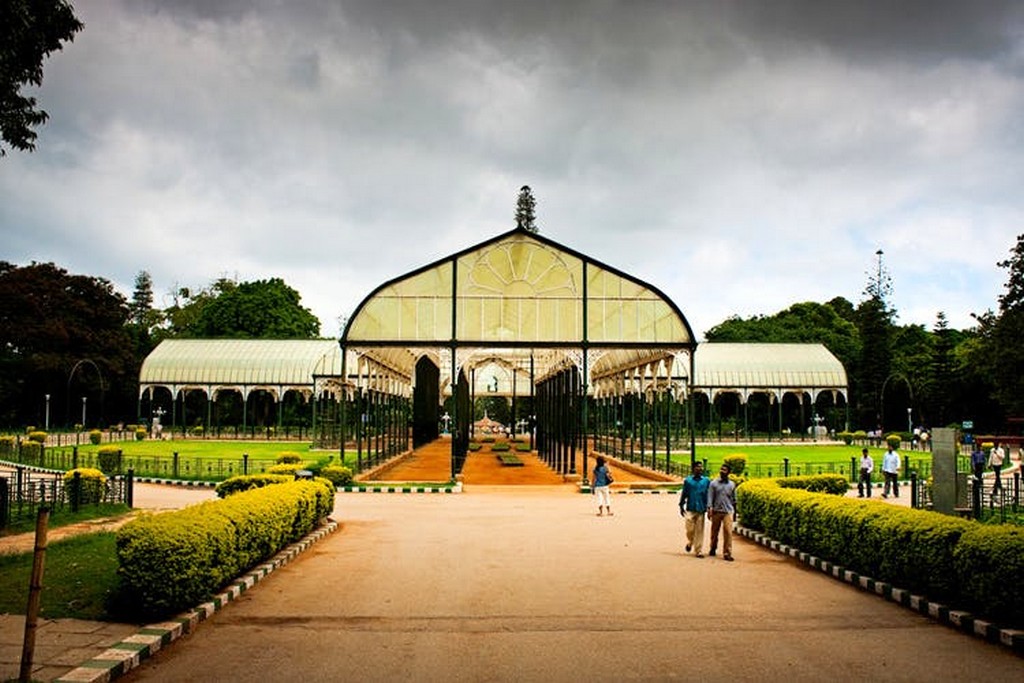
[37, 436]
[942, 557]
[175, 560]
[289, 458]
[140, 433]
[90, 483]
[737, 463]
[246, 482]
[7, 446]
[894, 440]
[31, 453]
[95, 436]
[285, 469]
[337, 475]
[108, 458]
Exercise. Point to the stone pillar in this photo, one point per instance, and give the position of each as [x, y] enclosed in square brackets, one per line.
[948, 492]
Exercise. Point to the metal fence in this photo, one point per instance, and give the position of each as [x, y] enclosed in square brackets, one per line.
[996, 498]
[23, 491]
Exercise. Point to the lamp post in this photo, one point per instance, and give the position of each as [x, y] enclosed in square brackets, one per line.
[47, 422]
[83, 411]
[910, 425]
[446, 418]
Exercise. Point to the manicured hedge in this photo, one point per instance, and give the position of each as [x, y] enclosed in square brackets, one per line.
[246, 482]
[948, 559]
[176, 560]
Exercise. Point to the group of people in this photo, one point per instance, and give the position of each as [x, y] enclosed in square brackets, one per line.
[996, 459]
[890, 473]
[700, 498]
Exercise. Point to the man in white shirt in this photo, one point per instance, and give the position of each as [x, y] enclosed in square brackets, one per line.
[891, 471]
[867, 466]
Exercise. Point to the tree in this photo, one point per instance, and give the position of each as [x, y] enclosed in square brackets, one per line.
[49, 321]
[1001, 353]
[874, 322]
[264, 309]
[29, 31]
[526, 207]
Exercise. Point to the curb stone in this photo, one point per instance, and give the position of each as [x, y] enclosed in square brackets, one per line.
[148, 640]
[398, 488]
[958, 619]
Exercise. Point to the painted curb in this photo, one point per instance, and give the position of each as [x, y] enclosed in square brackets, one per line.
[148, 640]
[964, 622]
[398, 488]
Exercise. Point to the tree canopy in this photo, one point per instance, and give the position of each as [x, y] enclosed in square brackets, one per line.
[29, 31]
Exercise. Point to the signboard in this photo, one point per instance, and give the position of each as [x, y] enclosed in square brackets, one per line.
[968, 424]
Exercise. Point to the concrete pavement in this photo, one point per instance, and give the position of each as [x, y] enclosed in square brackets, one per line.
[528, 584]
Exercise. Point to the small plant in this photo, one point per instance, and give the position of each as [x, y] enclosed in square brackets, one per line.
[288, 468]
[500, 447]
[95, 436]
[37, 436]
[109, 459]
[337, 475]
[473, 446]
[289, 458]
[140, 433]
[522, 447]
[894, 440]
[197, 430]
[845, 437]
[737, 463]
[90, 486]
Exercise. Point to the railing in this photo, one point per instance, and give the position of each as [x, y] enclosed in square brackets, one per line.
[159, 466]
[23, 491]
[996, 498]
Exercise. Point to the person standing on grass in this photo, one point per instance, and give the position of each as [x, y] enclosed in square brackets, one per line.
[693, 504]
[602, 484]
[867, 466]
[721, 511]
[891, 471]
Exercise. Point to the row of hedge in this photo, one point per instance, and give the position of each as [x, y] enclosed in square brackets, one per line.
[976, 567]
[176, 560]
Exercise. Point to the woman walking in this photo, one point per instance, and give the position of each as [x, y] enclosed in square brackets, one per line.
[602, 482]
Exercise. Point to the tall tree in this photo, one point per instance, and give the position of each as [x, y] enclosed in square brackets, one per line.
[29, 31]
[942, 383]
[50, 322]
[264, 309]
[1002, 353]
[872, 371]
[526, 210]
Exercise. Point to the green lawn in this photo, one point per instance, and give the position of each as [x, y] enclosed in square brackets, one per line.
[63, 516]
[79, 579]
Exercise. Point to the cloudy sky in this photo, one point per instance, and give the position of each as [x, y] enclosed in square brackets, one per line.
[740, 156]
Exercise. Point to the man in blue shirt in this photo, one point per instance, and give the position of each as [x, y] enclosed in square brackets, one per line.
[693, 503]
[891, 471]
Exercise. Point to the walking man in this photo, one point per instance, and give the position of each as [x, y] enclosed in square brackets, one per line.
[867, 466]
[721, 510]
[996, 459]
[891, 471]
[693, 504]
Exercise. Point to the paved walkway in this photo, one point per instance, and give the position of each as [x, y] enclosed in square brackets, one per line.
[528, 584]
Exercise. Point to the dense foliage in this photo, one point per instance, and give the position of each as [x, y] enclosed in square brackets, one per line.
[29, 31]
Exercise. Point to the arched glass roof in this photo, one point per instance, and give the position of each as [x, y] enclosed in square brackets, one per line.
[240, 362]
[518, 290]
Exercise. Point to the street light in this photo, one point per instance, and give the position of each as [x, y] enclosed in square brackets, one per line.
[83, 411]
[47, 427]
[910, 427]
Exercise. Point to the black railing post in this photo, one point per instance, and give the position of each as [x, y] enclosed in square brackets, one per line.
[913, 491]
[5, 503]
[129, 487]
[853, 470]
[976, 498]
[245, 463]
[174, 466]
[76, 491]
[74, 457]
[785, 467]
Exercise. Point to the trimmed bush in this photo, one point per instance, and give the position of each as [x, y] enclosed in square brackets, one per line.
[845, 437]
[108, 458]
[197, 430]
[91, 483]
[737, 463]
[246, 482]
[961, 562]
[337, 475]
[860, 436]
[176, 560]
[522, 447]
[289, 469]
[473, 446]
[7, 446]
[836, 484]
[894, 440]
[501, 447]
[37, 436]
[95, 436]
[31, 453]
[289, 458]
[140, 433]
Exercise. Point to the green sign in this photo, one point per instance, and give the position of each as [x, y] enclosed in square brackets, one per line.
[968, 424]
